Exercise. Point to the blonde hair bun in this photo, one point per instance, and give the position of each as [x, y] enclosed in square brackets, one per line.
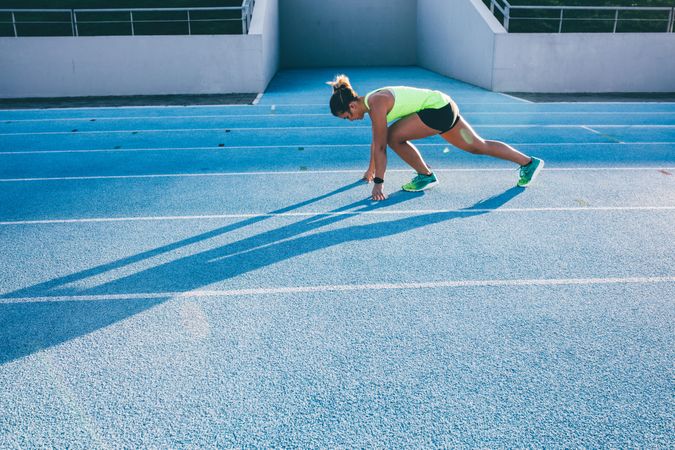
[340, 82]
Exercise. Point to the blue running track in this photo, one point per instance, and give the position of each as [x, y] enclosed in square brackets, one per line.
[181, 277]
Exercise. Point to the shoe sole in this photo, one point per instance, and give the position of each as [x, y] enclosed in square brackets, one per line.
[428, 186]
[535, 174]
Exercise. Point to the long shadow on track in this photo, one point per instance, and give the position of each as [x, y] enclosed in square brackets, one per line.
[29, 327]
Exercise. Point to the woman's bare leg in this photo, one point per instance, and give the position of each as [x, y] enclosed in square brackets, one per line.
[465, 138]
[399, 136]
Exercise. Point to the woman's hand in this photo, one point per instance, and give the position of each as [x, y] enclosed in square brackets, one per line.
[377, 192]
[369, 175]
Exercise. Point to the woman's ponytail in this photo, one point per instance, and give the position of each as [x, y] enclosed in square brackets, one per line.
[343, 94]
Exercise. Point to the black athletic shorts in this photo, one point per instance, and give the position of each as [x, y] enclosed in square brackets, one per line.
[441, 119]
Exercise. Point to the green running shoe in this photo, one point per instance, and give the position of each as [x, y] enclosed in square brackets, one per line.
[530, 171]
[420, 183]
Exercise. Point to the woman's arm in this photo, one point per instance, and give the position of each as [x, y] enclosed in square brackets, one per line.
[378, 147]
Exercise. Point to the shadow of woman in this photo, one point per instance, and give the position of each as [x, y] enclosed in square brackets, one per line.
[30, 326]
[59, 286]
[30, 322]
[271, 247]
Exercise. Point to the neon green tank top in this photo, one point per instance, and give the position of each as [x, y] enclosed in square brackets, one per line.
[409, 100]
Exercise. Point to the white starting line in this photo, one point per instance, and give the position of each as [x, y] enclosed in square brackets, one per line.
[342, 288]
[468, 211]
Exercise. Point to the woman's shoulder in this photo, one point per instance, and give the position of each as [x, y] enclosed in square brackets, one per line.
[381, 93]
[379, 102]
[381, 96]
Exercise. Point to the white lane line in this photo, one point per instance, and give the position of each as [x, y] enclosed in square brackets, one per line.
[343, 288]
[258, 147]
[264, 105]
[458, 97]
[336, 127]
[188, 175]
[668, 103]
[586, 127]
[257, 98]
[412, 212]
[235, 116]
[163, 118]
[606, 136]
[123, 150]
[116, 108]
[310, 172]
[522, 100]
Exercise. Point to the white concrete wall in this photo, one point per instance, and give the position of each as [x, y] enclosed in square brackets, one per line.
[142, 65]
[462, 39]
[456, 38]
[597, 62]
[265, 24]
[320, 33]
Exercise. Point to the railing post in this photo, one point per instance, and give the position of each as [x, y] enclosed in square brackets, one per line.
[507, 16]
[671, 19]
[562, 11]
[131, 18]
[249, 15]
[189, 25]
[77, 30]
[492, 7]
[616, 20]
[244, 15]
[14, 25]
[72, 22]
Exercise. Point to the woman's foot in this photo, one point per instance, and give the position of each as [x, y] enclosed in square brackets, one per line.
[530, 171]
[420, 183]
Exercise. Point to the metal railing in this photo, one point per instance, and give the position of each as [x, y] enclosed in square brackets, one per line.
[614, 15]
[127, 21]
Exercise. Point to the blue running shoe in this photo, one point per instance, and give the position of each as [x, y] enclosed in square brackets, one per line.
[530, 171]
[420, 183]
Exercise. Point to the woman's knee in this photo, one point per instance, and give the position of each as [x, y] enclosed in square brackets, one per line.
[394, 140]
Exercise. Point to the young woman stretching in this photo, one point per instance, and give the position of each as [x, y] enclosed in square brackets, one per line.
[421, 113]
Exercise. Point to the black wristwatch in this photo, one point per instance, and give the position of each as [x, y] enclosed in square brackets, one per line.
[377, 180]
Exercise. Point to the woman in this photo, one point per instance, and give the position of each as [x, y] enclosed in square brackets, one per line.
[421, 113]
